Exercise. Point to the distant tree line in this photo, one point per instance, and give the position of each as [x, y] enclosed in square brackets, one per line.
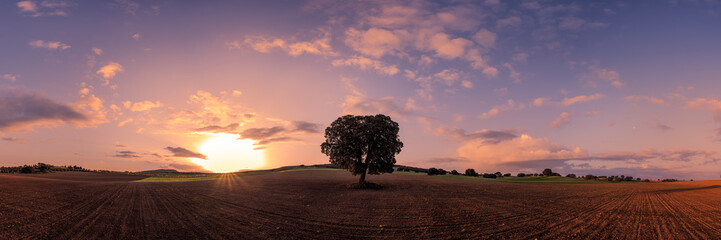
[42, 168]
[546, 172]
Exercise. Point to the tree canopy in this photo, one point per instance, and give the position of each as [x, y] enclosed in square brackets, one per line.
[363, 144]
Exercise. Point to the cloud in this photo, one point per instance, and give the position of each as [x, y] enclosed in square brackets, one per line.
[204, 109]
[27, 6]
[512, 73]
[512, 21]
[563, 120]
[318, 46]
[185, 153]
[571, 23]
[486, 136]
[141, 106]
[10, 77]
[362, 105]
[92, 107]
[449, 76]
[110, 70]
[129, 6]
[261, 133]
[478, 62]
[218, 129]
[523, 148]
[712, 105]
[645, 98]
[525, 153]
[673, 155]
[445, 46]
[97, 51]
[307, 127]
[15, 140]
[45, 8]
[520, 57]
[374, 42]
[508, 106]
[663, 127]
[365, 63]
[233, 45]
[50, 45]
[567, 101]
[606, 75]
[593, 112]
[137, 36]
[22, 110]
[485, 38]
[267, 141]
[268, 135]
[126, 154]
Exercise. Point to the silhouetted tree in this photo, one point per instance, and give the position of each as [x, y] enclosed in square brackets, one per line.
[507, 175]
[547, 172]
[521, 175]
[454, 172]
[571, 175]
[471, 172]
[26, 169]
[363, 144]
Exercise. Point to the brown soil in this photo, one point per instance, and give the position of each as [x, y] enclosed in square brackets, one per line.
[318, 204]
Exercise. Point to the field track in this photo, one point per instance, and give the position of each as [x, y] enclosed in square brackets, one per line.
[316, 204]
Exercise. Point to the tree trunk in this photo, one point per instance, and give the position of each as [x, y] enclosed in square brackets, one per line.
[363, 177]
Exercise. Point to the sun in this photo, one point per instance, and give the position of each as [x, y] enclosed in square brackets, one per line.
[226, 153]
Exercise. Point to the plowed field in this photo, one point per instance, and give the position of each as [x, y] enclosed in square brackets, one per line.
[317, 204]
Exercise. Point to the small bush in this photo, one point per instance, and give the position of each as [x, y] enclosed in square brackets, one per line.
[571, 175]
[521, 175]
[454, 172]
[507, 175]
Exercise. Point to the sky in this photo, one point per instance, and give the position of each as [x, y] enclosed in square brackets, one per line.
[586, 87]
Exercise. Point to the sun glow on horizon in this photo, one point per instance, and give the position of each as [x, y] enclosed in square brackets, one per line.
[225, 153]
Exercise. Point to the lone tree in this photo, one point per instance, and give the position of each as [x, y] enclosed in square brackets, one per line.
[363, 144]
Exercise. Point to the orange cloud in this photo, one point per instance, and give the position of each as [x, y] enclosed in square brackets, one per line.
[520, 149]
[110, 70]
[50, 45]
[365, 63]
[141, 106]
[567, 101]
[645, 98]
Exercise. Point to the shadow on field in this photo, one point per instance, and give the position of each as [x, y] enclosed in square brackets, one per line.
[686, 189]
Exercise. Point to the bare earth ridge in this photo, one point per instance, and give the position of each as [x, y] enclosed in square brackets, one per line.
[317, 204]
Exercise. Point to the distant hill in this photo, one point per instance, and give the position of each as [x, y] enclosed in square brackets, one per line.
[160, 171]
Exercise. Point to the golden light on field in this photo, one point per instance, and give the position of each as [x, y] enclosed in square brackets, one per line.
[225, 153]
